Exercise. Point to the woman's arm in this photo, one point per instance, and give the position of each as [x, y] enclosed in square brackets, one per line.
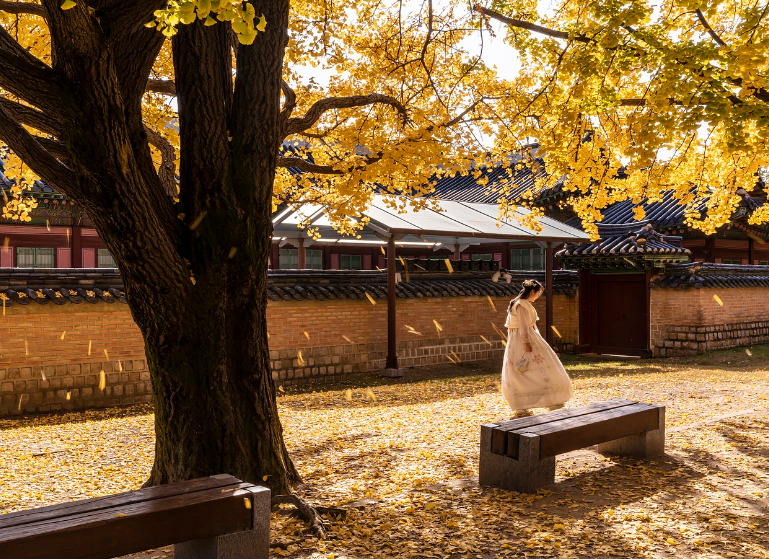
[524, 323]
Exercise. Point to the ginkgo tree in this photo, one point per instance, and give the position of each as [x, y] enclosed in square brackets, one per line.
[632, 99]
[174, 125]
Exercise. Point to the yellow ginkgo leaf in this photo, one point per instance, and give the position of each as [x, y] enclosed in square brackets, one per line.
[262, 24]
[68, 4]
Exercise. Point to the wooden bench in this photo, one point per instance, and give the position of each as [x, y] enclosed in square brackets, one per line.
[519, 454]
[218, 517]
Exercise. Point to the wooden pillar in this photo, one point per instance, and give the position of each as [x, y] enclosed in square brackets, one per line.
[302, 254]
[457, 253]
[710, 249]
[549, 293]
[76, 246]
[750, 251]
[391, 365]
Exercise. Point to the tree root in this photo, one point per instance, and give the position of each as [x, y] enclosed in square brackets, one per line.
[306, 512]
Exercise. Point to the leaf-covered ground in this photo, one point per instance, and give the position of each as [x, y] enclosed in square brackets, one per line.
[402, 458]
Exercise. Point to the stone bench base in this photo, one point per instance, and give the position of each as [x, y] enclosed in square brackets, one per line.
[529, 473]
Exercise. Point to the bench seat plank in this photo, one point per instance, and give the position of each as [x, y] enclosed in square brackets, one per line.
[98, 503]
[130, 528]
[564, 436]
[499, 436]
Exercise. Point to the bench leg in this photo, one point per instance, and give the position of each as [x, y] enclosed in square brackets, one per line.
[527, 474]
[651, 443]
[251, 544]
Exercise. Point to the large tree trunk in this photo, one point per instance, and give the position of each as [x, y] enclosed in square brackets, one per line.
[195, 271]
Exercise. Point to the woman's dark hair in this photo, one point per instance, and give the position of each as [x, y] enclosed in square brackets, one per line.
[529, 286]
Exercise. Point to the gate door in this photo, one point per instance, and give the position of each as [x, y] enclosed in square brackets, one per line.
[619, 320]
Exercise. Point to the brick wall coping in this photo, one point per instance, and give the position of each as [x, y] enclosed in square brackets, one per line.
[344, 284]
[69, 285]
[704, 274]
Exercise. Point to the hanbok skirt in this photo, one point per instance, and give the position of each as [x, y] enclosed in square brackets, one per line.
[544, 383]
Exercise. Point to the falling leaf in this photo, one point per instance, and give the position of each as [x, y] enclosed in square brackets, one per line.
[68, 5]
[493, 306]
[247, 502]
[20, 397]
[120, 515]
[348, 340]
[370, 298]
[348, 395]
[383, 250]
[557, 333]
[89, 347]
[449, 266]
[42, 374]
[62, 335]
[102, 380]
[47, 225]
[486, 340]
[438, 325]
[718, 300]
[306, 335]
[26, 348]
[750, 354]
[451, 359]
[196, 222]
[300, 359]
[233, 250]
[69, 394]
[370, 394]
[265, 478]
[456, 356]
[119, 366]
[106, 355]
[281, 388]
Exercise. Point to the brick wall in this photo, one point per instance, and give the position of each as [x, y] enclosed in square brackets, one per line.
[40, 372]
[686, 322]
[463, 321]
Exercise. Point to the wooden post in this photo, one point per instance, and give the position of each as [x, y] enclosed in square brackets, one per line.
[750, 251]
[302, 254]
[457, 253]
[549, 293]
[710, 249]
[391, 365]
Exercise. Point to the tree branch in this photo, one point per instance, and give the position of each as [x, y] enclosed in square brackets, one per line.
[168, 87]
[31, 151]
[530, 26]
[290, 103]
[296, 125]
[27, 77]
[23, 8]
[709, 29]
[167, 170]
[31, 117]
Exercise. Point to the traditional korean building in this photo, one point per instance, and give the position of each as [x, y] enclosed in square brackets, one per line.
[60, 234]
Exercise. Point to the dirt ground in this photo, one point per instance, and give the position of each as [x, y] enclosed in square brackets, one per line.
[401, 456]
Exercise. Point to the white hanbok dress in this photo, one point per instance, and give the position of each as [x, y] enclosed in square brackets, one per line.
[545, 382]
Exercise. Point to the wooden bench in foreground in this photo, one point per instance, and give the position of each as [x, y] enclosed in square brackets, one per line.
[519, 454]
[217, 517]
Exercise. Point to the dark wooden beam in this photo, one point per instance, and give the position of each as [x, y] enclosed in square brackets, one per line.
[549, 293]
[392, 340]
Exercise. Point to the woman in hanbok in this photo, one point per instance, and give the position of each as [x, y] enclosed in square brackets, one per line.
[532, 374]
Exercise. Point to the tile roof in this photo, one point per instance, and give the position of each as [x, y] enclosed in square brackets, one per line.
[701, 274]
[621, 239]
[59, 286]
[518, 181]
[22, 286]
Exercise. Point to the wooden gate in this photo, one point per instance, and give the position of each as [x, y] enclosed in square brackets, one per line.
[619, 314]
